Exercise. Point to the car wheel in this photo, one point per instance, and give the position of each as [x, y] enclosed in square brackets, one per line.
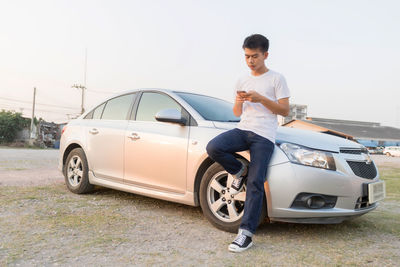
[388, 154]
[76, 172]
[222, 209]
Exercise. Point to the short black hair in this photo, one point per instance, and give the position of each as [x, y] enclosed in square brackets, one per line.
[256, 41]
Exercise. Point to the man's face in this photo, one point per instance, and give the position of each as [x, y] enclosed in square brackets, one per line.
[255, 58]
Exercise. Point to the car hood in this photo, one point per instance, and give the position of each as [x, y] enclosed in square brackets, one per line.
[306, 138]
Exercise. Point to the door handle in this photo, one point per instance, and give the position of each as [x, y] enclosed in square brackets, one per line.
[134, 136]
[94, 131]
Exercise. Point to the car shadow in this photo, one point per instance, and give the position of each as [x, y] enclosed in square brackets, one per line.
[266, 228]
[353, 227]
[144, 201]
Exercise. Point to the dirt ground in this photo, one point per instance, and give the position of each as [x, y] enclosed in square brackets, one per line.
[42, 223]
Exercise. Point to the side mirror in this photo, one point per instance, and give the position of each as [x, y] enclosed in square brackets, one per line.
[170, 115]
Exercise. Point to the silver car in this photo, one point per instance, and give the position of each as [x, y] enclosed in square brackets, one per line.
[152, 142]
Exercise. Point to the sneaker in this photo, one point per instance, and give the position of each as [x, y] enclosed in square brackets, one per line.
[238, 182]
[241, 243]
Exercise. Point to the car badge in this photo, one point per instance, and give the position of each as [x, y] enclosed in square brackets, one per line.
[367, 158]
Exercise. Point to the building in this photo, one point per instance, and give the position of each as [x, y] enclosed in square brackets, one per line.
[45, 134]
[370, 134]
[297, 112]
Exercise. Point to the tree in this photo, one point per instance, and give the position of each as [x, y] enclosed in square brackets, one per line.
[10, 123]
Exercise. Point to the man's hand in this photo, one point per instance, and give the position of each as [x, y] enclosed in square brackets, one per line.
[281, 107]
[253, 96]
[240, 97]
[237, 108]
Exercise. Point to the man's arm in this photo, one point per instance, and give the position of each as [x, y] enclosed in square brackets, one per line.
[281, 108]
[237, 107]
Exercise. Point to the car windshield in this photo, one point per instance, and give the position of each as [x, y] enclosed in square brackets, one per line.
[210, 108]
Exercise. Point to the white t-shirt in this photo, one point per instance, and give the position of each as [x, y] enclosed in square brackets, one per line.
[255, 116]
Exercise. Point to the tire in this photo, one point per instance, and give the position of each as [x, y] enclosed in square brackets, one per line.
[214, 197]
[76, 172]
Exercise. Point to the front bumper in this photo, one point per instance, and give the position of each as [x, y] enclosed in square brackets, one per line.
[286, 180]
[334, 215]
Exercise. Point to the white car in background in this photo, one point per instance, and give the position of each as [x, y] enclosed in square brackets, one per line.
[153, 142]
[392, 151]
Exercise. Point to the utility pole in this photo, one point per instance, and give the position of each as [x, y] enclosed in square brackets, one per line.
[33, 111]
[84, 75]
[83, 88]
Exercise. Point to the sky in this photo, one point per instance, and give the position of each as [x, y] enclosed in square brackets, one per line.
[340, 58]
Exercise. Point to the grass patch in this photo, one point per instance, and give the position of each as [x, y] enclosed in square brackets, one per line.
[378, 222]
[34, 220]
[14, 169]
[391, 176]
[384, 220]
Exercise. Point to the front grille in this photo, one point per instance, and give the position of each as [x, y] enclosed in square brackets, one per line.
[362, 169]
[356, 151]
[362, 203]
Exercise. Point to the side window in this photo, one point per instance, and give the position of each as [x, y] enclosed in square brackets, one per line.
[89, 115]
[98, 111]
[117, 108]
[151, 103]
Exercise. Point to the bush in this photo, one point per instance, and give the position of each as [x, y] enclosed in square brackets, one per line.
[10, 123]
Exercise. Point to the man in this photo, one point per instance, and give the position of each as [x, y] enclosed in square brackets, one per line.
[260, 96]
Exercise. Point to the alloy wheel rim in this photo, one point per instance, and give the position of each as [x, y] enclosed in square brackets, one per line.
[225, 206]
[75, 171]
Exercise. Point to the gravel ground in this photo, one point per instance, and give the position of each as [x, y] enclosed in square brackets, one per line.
[29, 167]
[42, 223]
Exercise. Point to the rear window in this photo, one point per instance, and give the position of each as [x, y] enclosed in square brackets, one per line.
[117, 108]
[98, 111]
[89, 115]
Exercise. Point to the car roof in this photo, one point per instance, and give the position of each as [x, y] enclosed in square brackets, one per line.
[168, 91]
[141, 89]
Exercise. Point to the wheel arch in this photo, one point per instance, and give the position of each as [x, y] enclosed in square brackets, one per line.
[207, 162]
[70, 147]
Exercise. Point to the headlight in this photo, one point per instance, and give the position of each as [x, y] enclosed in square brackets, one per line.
[308, 156]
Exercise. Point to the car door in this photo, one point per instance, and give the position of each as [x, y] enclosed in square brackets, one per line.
[156, 152]
[106, 137]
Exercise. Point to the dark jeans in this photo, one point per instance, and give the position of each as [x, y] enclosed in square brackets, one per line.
[221, 149]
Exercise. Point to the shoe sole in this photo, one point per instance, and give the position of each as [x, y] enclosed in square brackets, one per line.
[237, 249]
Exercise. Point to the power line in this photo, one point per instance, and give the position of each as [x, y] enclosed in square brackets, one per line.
[98, 91]
[40, 112]
[29, 102]
[10, 106]
[43, 110]
[46, 98]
